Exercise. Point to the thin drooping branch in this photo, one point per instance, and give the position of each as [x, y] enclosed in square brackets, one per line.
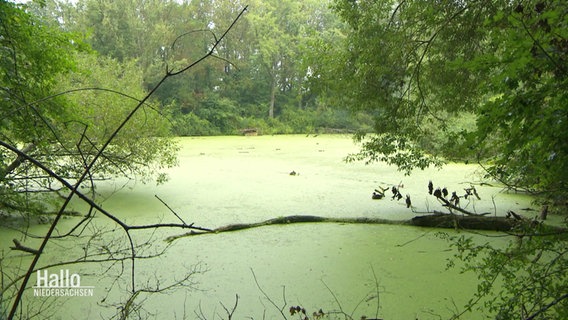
[89, 201]
[557, 65]
[548, 306]
[423, 56]
[169, 208]
[377, 292]
[280, 309]
[503, 181]
[336, 300]
[74, 189]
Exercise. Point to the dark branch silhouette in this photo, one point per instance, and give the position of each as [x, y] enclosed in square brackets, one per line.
[88, 166]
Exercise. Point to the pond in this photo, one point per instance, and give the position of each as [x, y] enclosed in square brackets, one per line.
[332, 266]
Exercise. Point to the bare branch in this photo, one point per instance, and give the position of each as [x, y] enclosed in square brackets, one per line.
[167, 206]
[230, 313]
[280, 309]
[336, 300]
[19, 246]
[74, 188]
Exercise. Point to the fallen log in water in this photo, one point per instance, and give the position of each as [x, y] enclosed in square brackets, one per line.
[451, 221]
[465, 222]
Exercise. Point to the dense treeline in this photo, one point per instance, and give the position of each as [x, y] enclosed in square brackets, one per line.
[431, 81]
[481, 81]
[260, 78]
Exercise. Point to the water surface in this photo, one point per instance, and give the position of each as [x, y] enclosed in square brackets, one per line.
[224, 180]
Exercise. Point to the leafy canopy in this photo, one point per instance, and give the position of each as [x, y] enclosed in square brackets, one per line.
[59, 101]
[483, 80]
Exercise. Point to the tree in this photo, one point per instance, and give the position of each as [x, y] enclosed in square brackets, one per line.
[526, 279]
[143, 148]
[420, 68]
[41, 66]
[86, 161]
[481, 80]
[279, 29]
[262, 67]
[32, 56]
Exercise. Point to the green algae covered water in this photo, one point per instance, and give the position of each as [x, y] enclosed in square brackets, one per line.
[395, 272]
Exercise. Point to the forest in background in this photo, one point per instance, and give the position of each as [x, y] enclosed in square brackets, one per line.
[481, 82]
[260, 80]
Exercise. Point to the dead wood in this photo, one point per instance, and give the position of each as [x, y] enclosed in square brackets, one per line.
[448, 221]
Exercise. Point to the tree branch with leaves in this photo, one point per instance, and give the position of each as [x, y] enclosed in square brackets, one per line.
[89, 163]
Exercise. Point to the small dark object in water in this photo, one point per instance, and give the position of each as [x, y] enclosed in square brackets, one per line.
[468, 192]
[438, 193]
[430, 187]
[294, 173]
[377, 196]
[395, 192]
[475, 193]
[514, 215]
[398, 196]
[455, 199]
[445, 192]
[408, 202]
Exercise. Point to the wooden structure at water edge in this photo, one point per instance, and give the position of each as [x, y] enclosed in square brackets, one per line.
[249, 132]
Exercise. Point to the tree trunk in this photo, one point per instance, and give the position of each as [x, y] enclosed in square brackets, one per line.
[465, 222]
[272, 99]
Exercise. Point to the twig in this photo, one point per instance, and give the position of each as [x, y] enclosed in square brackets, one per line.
[86, 172]
[230, 313]
[448, 204]
[415, 239]
[172, 210]
[377, 290]
[281, 310]
[19, 246]
[336, 300]
[548, 306]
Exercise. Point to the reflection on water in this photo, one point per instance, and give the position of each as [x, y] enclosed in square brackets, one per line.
[224, 180]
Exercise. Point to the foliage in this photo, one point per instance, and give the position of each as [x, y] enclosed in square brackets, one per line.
[261, 70]
[480, 80]
[32, 56]
[416, 65]
[526, 279]
[90, 152]
[143, 147]
[60, 101]
[192, 125]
